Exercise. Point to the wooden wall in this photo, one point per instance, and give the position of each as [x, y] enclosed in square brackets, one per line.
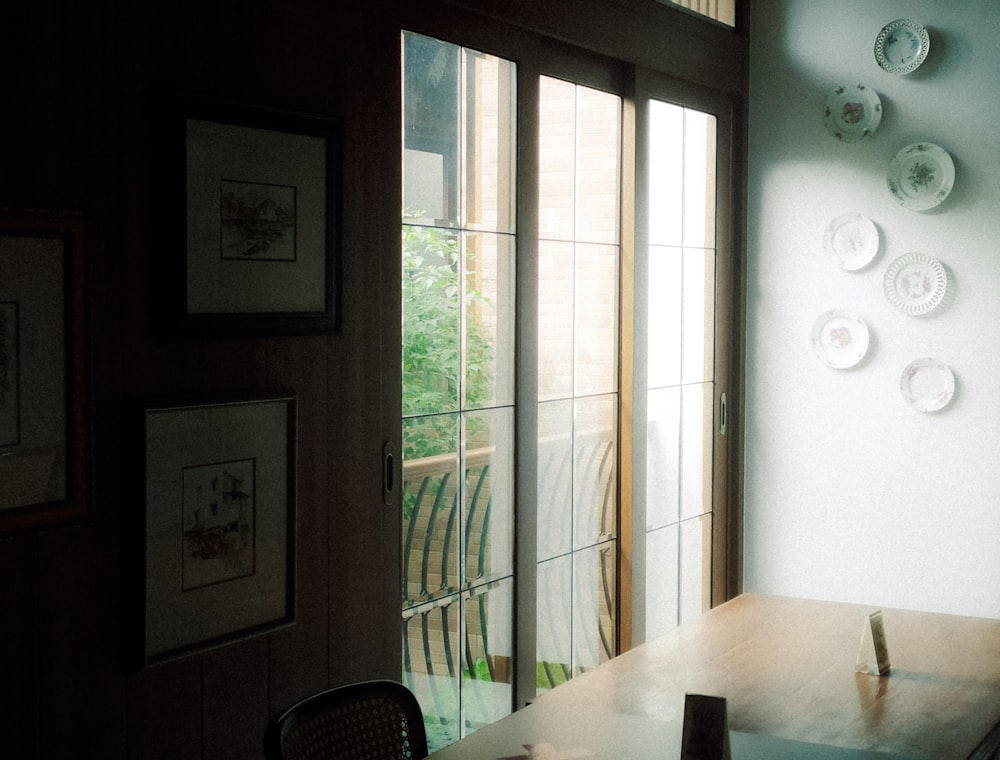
[81, 131]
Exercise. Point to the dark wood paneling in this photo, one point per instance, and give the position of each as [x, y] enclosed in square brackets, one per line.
[19, 640]
[234, 707]
[80, 678]
[165, 712]
[298, 655]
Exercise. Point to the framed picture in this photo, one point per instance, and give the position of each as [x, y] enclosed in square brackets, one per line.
[219, 523]
[44, 402]
[258, 192]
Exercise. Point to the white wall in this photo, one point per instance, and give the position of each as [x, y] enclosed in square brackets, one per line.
[851, 494]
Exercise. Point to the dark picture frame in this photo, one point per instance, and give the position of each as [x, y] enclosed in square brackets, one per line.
[218, 539]
[255, 202]
[45, 458]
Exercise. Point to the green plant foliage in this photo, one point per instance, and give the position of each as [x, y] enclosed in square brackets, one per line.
[434, 379]
[549, 674]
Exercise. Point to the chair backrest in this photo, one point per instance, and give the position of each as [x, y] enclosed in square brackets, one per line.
[373, 720]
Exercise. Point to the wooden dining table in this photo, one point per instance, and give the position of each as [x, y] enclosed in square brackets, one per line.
[787, 670]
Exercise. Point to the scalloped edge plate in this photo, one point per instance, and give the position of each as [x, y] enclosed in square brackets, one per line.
[927, 385]
[915, 283]
[919, 38]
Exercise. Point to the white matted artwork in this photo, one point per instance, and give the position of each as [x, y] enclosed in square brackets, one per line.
[44, 383]
[219, 523]
[258, 191]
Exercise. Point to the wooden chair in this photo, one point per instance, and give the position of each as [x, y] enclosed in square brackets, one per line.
[373, 720]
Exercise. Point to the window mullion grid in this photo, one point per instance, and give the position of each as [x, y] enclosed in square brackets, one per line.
[574, 306]
[460, 485]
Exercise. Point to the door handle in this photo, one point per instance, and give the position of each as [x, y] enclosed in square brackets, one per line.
[723, 414]
[388, 472]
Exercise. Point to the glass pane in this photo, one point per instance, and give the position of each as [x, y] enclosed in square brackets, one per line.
[662, 574]
[487, 688]
[458, 383]
[458, 136]
[682, 176]
[578, 284]
[430, 539]
[698, 315]
[664, 298]
[695, 566]
[556, 159]
[666, 173]
[432, 668]
[597, 167]
[681, 355]
[596, 319]
[595, 470]
[593, 606]
[595, 487]
[555, 478]
[663, 439]
[555, 320]
[488, 166]
[699, 179]
[430, 130]
[719, 10]
[488, 522]
[554, 612]
[488, 266]
[431, 320]
[696, 450]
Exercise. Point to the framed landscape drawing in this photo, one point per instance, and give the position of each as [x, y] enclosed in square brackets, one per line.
[257, 213]
[44, 387]
[219, 523]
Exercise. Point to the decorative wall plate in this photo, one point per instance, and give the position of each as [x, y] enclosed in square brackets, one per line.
[915, 283]
[921, 176]
[852, 241]
[927, 385]
[901, 46]
[852, 112]
[840, 338]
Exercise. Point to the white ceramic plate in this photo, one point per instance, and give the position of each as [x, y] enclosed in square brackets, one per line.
[852, 112]
[840, 338]
[921, 176]
[901, 46]
[852, 241]
[927, 385]
[915, 283]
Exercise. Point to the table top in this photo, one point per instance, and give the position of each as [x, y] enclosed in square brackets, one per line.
[553, 732]
[787, 670]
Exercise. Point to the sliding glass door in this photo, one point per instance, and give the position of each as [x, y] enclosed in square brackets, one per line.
[551, 521]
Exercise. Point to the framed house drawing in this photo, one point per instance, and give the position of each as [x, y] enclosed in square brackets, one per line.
[256, 210]
[219, 523]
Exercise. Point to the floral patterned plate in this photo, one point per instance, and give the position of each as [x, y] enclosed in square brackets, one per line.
[915, 283]
[927, 385]
[921, 176]
[852, 112]
[852, 241]
[840, 338]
